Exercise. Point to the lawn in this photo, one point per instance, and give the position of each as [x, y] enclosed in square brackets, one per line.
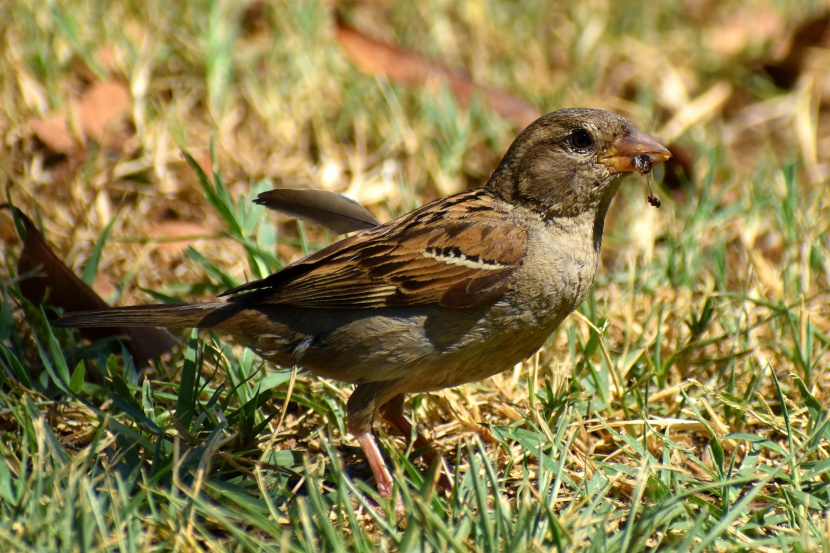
[682, 407]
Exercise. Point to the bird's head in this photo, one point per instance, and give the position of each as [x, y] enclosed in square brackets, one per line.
[570, 161]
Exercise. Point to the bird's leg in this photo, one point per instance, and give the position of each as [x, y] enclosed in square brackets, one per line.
[392, 412]
[360, 410]
[369, 445]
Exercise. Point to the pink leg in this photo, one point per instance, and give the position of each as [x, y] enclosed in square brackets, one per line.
[392, 411]
[361, 408]
[383, 478]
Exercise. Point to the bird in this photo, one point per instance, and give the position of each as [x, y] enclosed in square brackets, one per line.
[453, 292]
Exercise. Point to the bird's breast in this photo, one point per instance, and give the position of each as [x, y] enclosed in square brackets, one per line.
[557, 275]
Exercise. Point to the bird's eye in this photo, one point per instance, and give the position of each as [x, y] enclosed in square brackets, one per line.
[581, 139]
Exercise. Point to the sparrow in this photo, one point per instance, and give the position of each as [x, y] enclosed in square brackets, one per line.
[453, 292]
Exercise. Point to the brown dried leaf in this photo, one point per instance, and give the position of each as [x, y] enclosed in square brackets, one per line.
[107, 58]
[103, 286]
[677, 170]
[786, 70]
[98, 111]
[58, 286]
[188, 232]
[54, 133]
[101, 107]
[742, 30]
[396, 64]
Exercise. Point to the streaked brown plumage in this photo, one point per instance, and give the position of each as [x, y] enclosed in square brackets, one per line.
[453, 292]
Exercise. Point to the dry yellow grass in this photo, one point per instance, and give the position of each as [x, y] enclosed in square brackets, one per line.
[740, 242]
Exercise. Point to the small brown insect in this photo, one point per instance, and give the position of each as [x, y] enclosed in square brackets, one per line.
[643, 164]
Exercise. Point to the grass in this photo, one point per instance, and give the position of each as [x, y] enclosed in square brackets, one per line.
[682, 408]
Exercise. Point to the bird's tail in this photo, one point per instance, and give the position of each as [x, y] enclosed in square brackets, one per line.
[187, 315]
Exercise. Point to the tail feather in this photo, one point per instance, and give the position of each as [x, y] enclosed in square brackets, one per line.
[188, 315]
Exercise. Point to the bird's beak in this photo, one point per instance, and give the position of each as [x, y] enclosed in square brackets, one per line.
[631, 143]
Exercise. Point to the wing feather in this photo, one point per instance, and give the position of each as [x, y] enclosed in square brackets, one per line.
[443, 254]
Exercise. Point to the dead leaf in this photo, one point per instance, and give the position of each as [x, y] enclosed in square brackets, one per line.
[396, 64]
[55, 284]
[742, 30]
[96, 115]
[102, 107]
[103, 285]
[188, 232]
[54, 133]
[677, 170]
[106, 56]
[786, 69]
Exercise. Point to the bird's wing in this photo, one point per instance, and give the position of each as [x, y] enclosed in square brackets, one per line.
[452, 252]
